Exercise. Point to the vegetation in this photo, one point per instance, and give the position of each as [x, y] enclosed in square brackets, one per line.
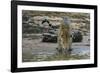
[32, 27]
[59, 14]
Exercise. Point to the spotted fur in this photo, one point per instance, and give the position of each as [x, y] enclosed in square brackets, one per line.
[64, 39]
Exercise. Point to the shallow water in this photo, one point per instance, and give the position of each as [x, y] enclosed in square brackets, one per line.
[35, 50]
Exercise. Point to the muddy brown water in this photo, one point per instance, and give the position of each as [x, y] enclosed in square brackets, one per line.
[41, 50]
